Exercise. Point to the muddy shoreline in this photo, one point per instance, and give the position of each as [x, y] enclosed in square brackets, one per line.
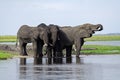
[10, 48]
[13, 49]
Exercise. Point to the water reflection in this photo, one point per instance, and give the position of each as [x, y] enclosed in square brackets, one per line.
[47, 68]
[69, 60]
[92, 67]
[72, 68]
[38, 61]
[22, 61]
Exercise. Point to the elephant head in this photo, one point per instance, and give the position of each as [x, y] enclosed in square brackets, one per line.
[92, 27]
[54, 30]
[85, 33]
[44, 33]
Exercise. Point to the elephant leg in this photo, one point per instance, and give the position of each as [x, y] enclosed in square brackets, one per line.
[35, 48]
[78, 48]
[58, 49]
[78, 45]
[49, 51]
[68, 51]
[82, 41]
[57, 52]
[21, 47]
[54, 52]
[39, 49]
[24, 49]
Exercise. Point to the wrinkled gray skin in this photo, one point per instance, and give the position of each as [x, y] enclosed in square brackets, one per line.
[39, 36]
[54, 33]
[53, 38]
[75, 35]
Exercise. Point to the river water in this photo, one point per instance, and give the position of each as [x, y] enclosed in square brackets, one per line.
[111, 43]
[92, 67]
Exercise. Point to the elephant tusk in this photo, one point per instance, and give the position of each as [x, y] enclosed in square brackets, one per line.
[50, 44]
[45, 45]
[74, 48]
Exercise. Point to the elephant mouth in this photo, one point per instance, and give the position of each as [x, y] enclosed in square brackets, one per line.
[93, 32]
[90, 35]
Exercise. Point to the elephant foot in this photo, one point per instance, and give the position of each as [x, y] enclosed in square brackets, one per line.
[68, 56]
[77, 55]
[58, 55]
[24, 54]
[38, 55]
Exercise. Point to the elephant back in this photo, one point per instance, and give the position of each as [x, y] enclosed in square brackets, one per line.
[24, 31]
[43, 27]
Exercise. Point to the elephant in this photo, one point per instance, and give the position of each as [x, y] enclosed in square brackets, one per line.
[70, 36]
[53, 38]
[39, 36]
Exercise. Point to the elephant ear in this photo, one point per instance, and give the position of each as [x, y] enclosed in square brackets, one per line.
[58, 37]
[35, 33]
[41, 34]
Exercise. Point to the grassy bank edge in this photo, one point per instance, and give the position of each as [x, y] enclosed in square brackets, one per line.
[100, 49]
[6, 55]
[87, 50]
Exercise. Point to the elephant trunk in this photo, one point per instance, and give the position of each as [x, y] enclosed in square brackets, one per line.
[54, 38]
[46, 39]
[99, 28]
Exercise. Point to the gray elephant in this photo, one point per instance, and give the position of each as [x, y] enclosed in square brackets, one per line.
[75, 35]
[39, 36]
[53, 38]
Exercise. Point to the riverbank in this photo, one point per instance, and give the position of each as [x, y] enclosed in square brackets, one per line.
[9, 51]
[12, 38]
[5, 55]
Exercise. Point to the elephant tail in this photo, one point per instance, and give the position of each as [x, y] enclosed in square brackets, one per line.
[16, 42]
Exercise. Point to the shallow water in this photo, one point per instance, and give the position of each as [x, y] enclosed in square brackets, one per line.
[111, 43]
[93, 67]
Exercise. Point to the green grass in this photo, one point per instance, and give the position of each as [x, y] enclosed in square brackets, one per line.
[101, 49]
[11, 38]
[104, 38]
[5, 55]
[7, 38]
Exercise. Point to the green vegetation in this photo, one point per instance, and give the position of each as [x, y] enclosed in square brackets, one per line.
[100, 49]
[87, 49]
[93, 38]
[7, 38]
[5, 55]
[104, 38]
